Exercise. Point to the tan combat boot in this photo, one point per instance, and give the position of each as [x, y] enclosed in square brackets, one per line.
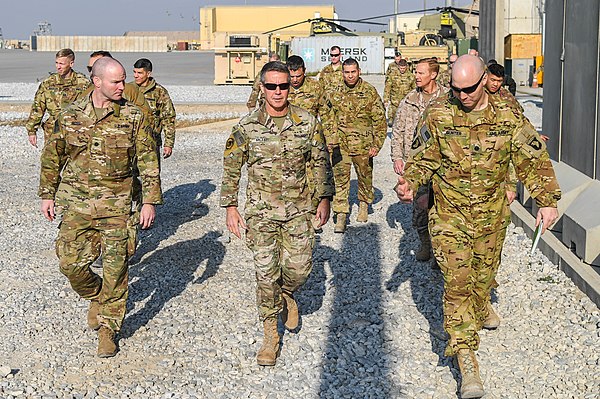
[106, 342]
[340, 224]
[289, 314]
[471, 385]
[92, 316]
[268, 352]
[492, 321]
[363, 212]
[424, 251]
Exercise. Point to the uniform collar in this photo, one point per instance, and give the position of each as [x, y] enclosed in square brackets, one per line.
[291, 118]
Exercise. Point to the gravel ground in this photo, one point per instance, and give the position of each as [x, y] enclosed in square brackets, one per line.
[371, 314]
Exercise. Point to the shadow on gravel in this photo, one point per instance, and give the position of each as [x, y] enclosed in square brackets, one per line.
[354, 363]
[353, 196]
[166, 273]
[182, 204]
[426, 284]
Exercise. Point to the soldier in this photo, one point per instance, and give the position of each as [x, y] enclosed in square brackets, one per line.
[398, 82]
[355, 131]
[464, 144]
[304, 92]
[86, 167]
[278, 225]
[256, 95]
[330, 76]
[159, 102]
[54, 93]
[405, 123]
[443, 78]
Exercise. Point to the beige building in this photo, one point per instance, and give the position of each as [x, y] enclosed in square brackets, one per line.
[257, 20]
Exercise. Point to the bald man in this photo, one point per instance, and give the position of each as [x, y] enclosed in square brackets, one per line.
[86, 174]
[464, 144]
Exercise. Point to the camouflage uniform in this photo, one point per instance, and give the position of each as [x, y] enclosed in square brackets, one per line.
[307, 96]
[331, 78]
[407, 117]
[96, 156]
[397, 86]
[467, 159]
[256, 94]
[53, 95]
[354, 120]
[163, 112]
[444, 77]
[278, 204]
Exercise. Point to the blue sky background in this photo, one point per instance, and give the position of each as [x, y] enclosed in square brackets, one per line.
[19, 18]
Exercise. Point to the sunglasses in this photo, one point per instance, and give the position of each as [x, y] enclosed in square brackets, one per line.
[467, 90]
[335, 55]
[89, 68]
[274, 86]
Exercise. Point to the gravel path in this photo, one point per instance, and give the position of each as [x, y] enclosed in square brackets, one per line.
[371, 314]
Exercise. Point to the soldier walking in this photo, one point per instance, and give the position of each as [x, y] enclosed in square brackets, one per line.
[330, 76]
[87, 172]
[464, 144]
[255, 94]
[54, 93]
[279, 143]
[398, 83]
[355, 131]
[304, 92]
[409, 112]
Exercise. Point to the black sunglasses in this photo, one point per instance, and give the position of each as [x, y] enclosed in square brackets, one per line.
[274, 86]
[89, 68]
[335, 55]
[467, 90]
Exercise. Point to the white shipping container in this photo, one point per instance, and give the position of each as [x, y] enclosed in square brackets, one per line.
[367, 50]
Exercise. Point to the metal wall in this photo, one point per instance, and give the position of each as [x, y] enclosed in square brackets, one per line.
[367, 50]
[147, 44]
[571, 83]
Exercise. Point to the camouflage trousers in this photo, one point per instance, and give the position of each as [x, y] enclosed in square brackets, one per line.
[469, 266]
[342, 163]
[391, 112]
[420, 216]
[282, 258]
[80, 241]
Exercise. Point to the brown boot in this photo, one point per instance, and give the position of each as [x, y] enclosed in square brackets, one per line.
[106, 342]
[289, 314]
[471, 385]
[424, 252]
[340, 224]
[363, 212]
[92, 316]
[492, 321]
[268, 352]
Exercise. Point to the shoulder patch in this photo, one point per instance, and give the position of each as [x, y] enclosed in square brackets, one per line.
[425, 133]
[535, 143]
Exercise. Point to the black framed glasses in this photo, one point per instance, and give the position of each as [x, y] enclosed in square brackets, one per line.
[89, 68]
[467, 90]
[274, 86]
[335, 55]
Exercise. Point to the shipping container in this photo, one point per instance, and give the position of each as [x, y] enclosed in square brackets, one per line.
[522, 45]
[367, 50]
[182, 46]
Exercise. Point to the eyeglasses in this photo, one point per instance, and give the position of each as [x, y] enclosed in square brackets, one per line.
[467, 90]
[274, 86]
[335, 55]
[89, 68]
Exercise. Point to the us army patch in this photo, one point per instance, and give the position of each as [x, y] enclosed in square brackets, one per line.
[417, 142]
[535, 143]
[229, 144]
[425, 134]
[239, 138]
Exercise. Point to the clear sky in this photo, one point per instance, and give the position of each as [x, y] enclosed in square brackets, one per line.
[19, 18]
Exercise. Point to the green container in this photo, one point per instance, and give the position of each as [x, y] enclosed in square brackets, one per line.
[465, 44]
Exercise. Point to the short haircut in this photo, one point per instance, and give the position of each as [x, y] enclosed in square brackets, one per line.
[276, 66]
[434, 65]
[350, 61]
[100, 53]
[102, 64]
[496, 70]
[274, 56]
[403, 62]
[335, 48]
[295, 62]
[66, 52]
[492, 61]
[143, 63]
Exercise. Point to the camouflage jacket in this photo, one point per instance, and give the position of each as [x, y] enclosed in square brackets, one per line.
[131, 94]
[468, 163]
[354, 118]
[397, 84]
[443, 78]
[163, 111]
[408, 115]
[307, 96]
[277, 164]
[53, 94]
[87, 164]
[256, 94]
[506, 96]
[331, 78]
